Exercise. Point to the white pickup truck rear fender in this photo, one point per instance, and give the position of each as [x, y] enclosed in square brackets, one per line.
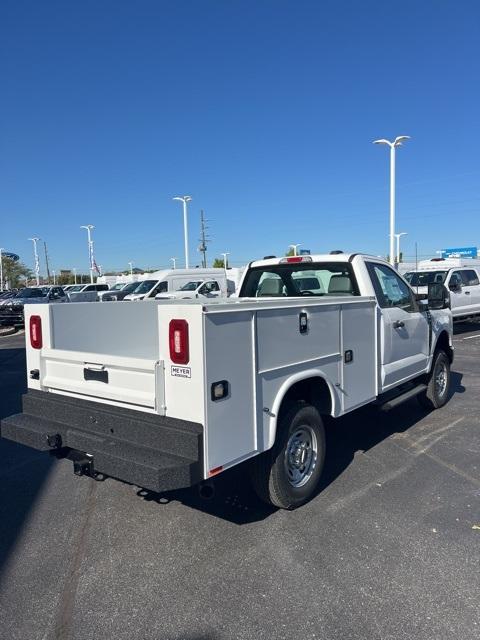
[334, 409]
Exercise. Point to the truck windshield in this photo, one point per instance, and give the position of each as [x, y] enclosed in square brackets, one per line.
[31, 293]
[145, 286]
[424, 278]
[191, 286]
[293, 280]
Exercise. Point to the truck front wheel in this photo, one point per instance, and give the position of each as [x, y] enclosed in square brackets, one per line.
[438, 382]
[287, 475]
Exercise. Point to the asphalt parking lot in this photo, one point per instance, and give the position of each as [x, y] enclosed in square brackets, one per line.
[389, 550]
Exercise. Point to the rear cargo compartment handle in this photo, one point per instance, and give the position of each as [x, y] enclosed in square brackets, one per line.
[100, 375]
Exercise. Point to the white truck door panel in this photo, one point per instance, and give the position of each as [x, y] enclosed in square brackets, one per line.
[404, 329]
[359, 375]
[230, 356]
[460, 299]
[405, 345]
[281, 344]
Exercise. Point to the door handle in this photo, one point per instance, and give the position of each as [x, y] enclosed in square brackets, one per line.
[398, 324]
[467, 293]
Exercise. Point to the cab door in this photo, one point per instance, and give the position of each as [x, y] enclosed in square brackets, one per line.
[404, 329]
[473, 284]
[460, 295]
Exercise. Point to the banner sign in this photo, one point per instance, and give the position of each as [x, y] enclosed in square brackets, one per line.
[460, 252]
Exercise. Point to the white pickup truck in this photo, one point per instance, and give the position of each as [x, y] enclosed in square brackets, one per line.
[169, 394]
[459, 275]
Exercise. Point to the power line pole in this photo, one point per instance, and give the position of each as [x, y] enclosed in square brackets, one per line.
[203, 239]
[46, 261]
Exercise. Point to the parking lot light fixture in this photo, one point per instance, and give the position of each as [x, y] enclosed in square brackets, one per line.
[75, 275]
[225, 259]
[185, 199]
[1, 269]
[399, 140]
[131, 268]
[174, 262]
[89, 228]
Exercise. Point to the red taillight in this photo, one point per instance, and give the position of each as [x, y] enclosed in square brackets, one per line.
[178, 336]
[36, 332]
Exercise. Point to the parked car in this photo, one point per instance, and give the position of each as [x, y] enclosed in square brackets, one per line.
[166, 396]
[86, 292]
[193, 289]
[5, 295]
[166, 283]
[118, 292]
[144, 289]
[12, 311]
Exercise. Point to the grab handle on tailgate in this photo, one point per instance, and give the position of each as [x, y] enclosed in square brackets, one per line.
[95, 372]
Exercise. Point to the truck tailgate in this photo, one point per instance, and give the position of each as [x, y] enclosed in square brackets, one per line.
[133, 381]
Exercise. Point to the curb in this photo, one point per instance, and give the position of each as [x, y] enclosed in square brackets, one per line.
[7, 331]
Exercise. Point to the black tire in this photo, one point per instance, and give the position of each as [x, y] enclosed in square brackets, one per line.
[437, 394]
[270, 473]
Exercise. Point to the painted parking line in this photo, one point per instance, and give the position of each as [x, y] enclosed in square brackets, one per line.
[471, 337]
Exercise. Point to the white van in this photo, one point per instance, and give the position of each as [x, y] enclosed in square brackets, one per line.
[460, 275]
[165, 282]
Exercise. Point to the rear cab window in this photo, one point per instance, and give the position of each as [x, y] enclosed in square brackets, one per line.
[300, 279]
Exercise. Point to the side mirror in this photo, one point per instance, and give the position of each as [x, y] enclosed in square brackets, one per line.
[438, 296]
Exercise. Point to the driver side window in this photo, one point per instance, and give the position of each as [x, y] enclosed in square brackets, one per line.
[390, 289]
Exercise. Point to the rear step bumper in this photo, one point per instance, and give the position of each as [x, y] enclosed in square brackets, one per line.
[151, 451]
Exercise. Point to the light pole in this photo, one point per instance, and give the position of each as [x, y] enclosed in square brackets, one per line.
[89, 228]
[294, 247]
[174, 261]
[131, 268]
[185, 199]
[398, 236]
[225, 259]
[75, 274]
[54, 279]
[37, 263]
[1, 269]
[399, 140]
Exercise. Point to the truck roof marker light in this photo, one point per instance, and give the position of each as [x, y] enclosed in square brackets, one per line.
[296, 259]
[36, 339]
[179, 343]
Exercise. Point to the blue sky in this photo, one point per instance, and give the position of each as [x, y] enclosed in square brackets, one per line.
[263, 111]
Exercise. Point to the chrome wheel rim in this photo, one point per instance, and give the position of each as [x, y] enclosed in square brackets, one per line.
[441, 378]
[301, 456]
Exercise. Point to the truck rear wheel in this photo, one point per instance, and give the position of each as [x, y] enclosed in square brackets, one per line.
[287, 475]
[438, 382]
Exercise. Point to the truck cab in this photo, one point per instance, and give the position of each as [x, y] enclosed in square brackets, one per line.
[459, 275]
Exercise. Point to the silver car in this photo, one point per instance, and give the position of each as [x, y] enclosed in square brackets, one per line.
[11, 312]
